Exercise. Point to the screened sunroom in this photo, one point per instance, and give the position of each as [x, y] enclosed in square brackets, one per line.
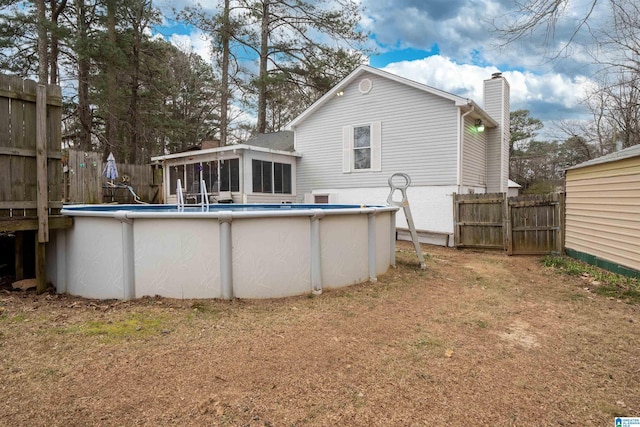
[240, 173]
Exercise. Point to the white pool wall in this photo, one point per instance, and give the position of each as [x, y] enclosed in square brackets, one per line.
[267, 254]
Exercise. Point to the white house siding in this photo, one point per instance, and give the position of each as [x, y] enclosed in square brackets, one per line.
[474, 155]
[269, 198]
[603, 211]
[496, 104]
[415, 125]
[431, 206]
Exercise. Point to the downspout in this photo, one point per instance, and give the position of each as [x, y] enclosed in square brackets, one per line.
[460, 140]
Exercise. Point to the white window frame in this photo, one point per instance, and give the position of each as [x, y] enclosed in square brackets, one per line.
[375, 147]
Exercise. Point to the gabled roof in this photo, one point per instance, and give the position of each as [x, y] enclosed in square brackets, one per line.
[612, 157]
[465, 103]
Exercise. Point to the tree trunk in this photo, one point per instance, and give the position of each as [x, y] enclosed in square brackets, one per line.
[84, 109]
[56, 10]
[135, 83]
[111, 70]
[224, 96]
[43, 57]
[262, 78]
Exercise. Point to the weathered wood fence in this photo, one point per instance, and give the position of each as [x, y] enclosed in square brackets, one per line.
[30, 166]
[530, 224]
[84, 183]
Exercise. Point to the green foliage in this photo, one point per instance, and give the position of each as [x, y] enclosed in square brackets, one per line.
[17, 318]
[565, 264]
[538, 166]
[205, 307]
[300, 49]
[18, 38]
[429, 343]
[603, 282]
[541, 187]
[139, 96]
[522, 128]
[136, 325]
[482, 324]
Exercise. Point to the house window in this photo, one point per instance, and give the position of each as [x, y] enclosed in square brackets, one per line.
[362, 147]
[261, 176]
[282, 178]
[271, 177]
[230, 175]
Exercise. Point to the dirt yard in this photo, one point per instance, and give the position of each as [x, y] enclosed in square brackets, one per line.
[478, 339]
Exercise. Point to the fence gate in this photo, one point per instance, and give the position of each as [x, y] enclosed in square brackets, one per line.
[531, 224]
[479, 220]
[535, 225]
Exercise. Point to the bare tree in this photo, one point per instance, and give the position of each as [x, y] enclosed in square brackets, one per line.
[621, 39]
[623, 100]
[615, 47]
[533, 16]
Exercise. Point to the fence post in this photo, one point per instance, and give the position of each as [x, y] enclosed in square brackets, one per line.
[456, 229]
[506, 228]
[560, 211]
[42, 188]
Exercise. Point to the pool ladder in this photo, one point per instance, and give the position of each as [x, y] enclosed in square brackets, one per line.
[204, 199]
[404, 204]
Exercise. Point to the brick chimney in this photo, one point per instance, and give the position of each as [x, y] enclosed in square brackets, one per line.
[214, 143]
[496, 104]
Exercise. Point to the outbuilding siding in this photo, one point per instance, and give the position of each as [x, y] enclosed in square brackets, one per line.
[414, 125]
[603, 211]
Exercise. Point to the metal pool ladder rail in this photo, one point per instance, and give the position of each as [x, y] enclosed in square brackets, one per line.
[204, 198]
[179, 196]
[404, 204]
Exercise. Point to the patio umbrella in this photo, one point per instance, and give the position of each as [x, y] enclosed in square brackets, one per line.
[110, 170]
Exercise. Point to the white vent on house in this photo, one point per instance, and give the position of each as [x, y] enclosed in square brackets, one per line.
[365, 86]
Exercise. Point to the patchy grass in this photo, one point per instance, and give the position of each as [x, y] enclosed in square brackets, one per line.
[135, 325]
[501, 338]
[16, 318]
[482, 324]
[600, 281]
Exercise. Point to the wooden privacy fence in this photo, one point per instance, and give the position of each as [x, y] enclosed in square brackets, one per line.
[30, 167]
[30, 129]
[531, 224]
[84, 183]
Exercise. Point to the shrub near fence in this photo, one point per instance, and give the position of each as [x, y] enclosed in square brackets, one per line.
[85, 184]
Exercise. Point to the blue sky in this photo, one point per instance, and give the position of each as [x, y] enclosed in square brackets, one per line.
[450, 45]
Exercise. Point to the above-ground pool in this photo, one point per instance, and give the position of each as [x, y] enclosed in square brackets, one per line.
[223, 251]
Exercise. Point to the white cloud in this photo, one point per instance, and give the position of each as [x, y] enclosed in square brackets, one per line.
[547, 96]
[196, 41]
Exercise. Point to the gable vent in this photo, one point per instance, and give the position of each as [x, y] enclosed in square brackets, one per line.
[365, 86]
